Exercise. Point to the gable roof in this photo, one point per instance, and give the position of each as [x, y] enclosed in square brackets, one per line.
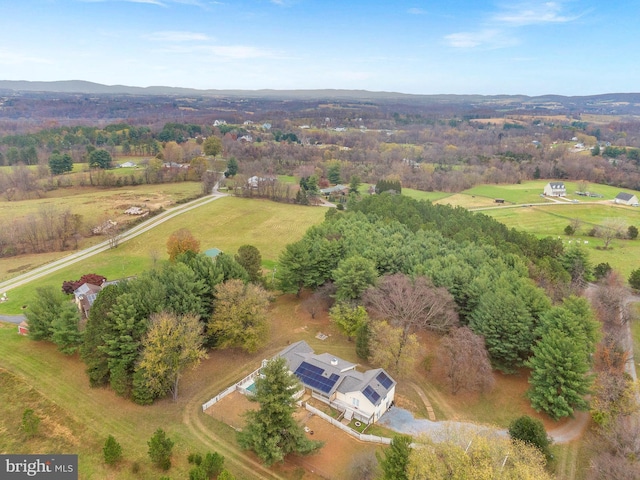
[556, 185]
[327, 374]
[624, 196]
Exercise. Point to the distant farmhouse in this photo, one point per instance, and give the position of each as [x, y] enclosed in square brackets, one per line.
[336, 190]
[363, 396]
[626, 199]
[555, 189]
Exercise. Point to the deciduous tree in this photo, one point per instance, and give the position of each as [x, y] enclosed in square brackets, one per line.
[348, 318]
[390, 349]
[412, 303]
[212, 146]
[172, 345]
[182, 241]
[464, 361]
[240, 316]
[272, 432]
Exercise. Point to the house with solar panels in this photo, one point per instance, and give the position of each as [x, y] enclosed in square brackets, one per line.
[364, 396]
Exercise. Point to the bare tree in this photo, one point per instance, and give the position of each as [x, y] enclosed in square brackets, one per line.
[412, 304]
[321, 299]
[465, 361]
[113, 235]
[611, 228]
[609, 302]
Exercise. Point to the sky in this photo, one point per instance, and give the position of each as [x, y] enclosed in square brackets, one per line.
[565, 47]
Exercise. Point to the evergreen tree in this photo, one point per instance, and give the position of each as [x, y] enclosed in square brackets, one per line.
[66, 334]
[503, 319]
[160, 447]
[43, 311]
[112, 451]
[634, 281]
[560, 377]
[232, 167]
[272, 432]
[396, 459]
[531, 431]
[353, 276]
[250, 259]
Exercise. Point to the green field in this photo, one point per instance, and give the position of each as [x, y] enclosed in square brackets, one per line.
[623, 255]
[227, 224]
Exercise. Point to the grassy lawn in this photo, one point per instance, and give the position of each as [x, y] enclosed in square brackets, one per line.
[551, 221]
[420, 195]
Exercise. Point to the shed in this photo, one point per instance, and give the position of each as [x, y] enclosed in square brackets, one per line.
[624, 198]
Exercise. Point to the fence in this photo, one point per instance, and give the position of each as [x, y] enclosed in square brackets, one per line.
[231, 389]
[345, 428]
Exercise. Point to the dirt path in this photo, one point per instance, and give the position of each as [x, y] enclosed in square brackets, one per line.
[425, 400]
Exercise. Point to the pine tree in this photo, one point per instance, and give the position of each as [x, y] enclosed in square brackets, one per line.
[396, 459]
[160, 447]
[560, 377]
[66, 334]
[112, 451]
[272, 432]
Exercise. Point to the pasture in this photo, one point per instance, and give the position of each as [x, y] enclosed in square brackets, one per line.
[227, 224]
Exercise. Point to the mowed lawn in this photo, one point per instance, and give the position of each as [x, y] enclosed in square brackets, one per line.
[226, 224]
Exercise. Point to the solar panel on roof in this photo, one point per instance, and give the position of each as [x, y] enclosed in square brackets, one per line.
[311, 376]
[371, 394]
[385, 381]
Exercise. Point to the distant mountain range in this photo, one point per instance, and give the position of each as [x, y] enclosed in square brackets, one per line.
[84, 87]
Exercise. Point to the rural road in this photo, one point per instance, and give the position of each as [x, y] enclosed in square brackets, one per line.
[102, 246]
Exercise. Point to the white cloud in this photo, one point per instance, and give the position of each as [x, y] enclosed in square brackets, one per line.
[532, 13]
[417, 11]
[175, 36]
[489, 38]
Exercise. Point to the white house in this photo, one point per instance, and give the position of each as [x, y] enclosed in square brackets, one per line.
[555, 189]
[626, 199]
[363, 396]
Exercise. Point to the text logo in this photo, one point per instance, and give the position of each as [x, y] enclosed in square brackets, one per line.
[49, 467]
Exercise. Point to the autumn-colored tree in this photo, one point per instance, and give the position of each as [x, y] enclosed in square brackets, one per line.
[390, 349]
[464, 361]
[240, 316]
[172, 344]
[182, 241]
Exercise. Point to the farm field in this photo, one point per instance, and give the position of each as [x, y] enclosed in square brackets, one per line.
[227, 224]
[551, 221]
[94, 203]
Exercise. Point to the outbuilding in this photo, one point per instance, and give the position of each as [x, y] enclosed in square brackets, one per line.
[624, 198]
